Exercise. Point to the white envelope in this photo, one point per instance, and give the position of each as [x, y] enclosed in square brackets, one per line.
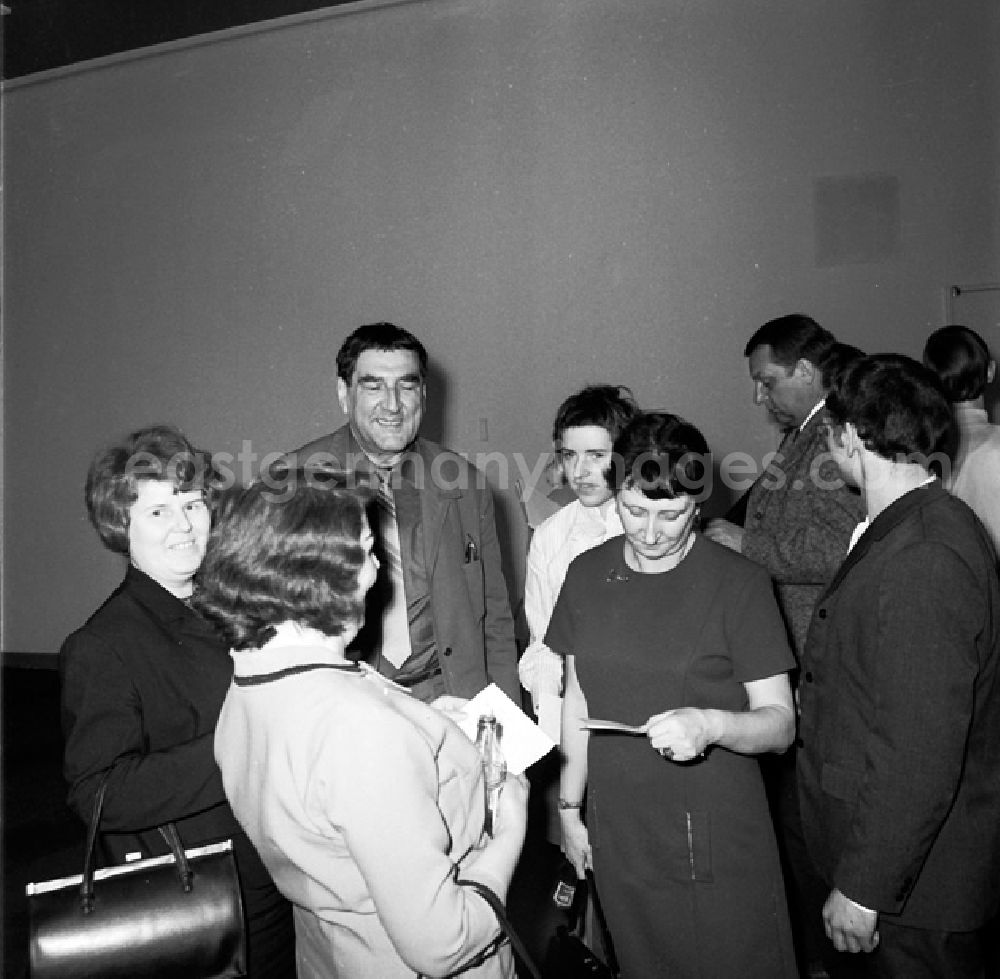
[522, 742]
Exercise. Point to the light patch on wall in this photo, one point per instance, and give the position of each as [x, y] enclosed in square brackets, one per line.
[857, 219]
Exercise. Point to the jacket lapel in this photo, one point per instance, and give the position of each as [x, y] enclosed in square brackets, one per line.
[799, 443]
[171, 614]
[435, 502]
[883, 524]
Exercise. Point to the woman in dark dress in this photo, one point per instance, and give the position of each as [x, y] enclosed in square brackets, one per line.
[144, 679]
[667, 631]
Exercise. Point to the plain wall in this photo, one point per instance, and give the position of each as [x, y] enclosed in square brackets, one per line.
[548, 192]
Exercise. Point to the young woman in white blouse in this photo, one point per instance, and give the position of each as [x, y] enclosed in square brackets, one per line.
[585, 427]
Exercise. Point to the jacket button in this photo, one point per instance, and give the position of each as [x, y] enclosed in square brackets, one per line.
[809, 676]
[822, 613]
[447, 650]
[799, 742]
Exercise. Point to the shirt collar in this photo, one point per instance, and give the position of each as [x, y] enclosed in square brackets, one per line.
[607, 515]
[406, 467]
[163, 604]
[967, 413]
[816, 407]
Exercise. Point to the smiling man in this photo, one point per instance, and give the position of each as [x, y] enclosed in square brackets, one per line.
[439, 622]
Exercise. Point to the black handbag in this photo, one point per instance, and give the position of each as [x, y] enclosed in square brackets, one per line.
[179, 916]
[568, 957]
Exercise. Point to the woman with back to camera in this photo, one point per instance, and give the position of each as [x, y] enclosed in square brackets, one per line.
[667, 631]
[366, 804]
[144, 678]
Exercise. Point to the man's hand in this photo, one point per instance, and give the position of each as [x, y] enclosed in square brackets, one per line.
[849, 926]
[725, 533]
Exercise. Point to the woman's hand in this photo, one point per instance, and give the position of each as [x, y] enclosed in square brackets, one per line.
[512, 807]
[681, 735]
[492, 862]
[575, 841]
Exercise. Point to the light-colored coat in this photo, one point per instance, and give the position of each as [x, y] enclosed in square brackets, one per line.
[364, 804]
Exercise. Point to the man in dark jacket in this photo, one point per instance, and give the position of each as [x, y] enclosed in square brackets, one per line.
[899, 770]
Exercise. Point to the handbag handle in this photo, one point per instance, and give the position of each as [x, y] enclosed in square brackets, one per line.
[167, 830]
[602, 924]
[493, 900]
[518, 947]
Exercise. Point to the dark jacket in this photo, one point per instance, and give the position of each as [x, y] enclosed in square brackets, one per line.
[142, 685]
[473, 626]
[899, 770]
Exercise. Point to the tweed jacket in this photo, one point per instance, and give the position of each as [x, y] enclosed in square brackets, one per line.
[899, 766]
[470, 607]
[799, 519]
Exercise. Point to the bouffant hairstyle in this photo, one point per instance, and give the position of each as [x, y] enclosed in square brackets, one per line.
[160, 452]
[792, 338]
[662, 456]
[287, 548]
[897, 405]
[960, 358]
[377, 336]
[607, 406]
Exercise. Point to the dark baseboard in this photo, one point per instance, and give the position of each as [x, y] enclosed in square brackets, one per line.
[30, 661]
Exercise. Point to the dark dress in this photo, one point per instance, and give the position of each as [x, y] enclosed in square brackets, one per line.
[684, 854]
[142, 685]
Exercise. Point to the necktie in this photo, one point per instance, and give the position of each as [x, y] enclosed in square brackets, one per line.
[787, 439]
[395, 622]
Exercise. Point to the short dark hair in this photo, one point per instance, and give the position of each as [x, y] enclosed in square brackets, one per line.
[836, 360]
[377, 336]
[960, 358]
[792, 338]
[607, 406]
[285, 548]
[158, 452]
[662, 456]
[897, 406]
